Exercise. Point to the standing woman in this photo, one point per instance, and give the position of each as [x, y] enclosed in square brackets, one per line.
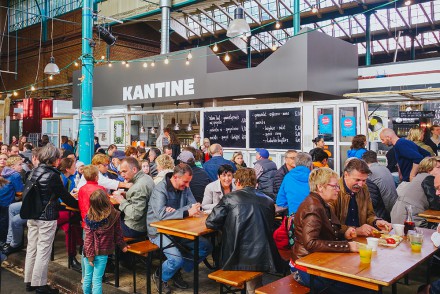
[41, 230]
[319, 143]
[174, 143]
[152, 154]
[357, 146]
[205, 148]
[23, 140]
[14, 140]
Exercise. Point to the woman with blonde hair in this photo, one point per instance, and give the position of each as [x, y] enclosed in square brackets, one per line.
[164, 164]
[237, 159]
[416, 135]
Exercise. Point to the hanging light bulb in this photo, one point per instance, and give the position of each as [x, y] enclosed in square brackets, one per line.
[227, 57]
[314, 9]
[189, 55]
[15, 93]
[153, 63]
[145, 64]
[33, 88]
[51, 77]
[127, 64]
[153, 130]
[176, 127]
[408, 2]
[142, 130]
[277, 25]
[102, 57]
[76, 63]
[215, 48]
[189, 128]
[124, 62]
[166, 61]
[274, 46]
[187, 61]
[109, 64]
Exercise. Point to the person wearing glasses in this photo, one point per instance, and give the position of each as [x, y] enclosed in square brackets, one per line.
[318, 229]
[353, 206]
[102, 161]
[196, 143]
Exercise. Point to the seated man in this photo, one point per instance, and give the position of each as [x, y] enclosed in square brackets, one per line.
[246, 218]
[353, 206]
[134, 205]
[172, 199]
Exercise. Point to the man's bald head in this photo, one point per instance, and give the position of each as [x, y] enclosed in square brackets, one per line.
[216, 149]
[388, 137]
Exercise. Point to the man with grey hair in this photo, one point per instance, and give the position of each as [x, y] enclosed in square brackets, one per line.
[212, 165]
[295, 186]
[289, 159]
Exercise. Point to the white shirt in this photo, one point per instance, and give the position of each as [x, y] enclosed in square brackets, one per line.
[107, 183]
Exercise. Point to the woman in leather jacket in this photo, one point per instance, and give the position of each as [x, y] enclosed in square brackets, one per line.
[317, 229]
[41, 231]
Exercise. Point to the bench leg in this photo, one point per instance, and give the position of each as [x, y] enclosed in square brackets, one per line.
[134, 273]
[117, 252]
[244, 289]
[394, 288]
[312, 287]
[405, 279]
[160, 263]
[428, 271]
[149, 261]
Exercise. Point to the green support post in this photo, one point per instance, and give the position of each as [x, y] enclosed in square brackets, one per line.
[367, 39]
[296, 17]
[86, 127]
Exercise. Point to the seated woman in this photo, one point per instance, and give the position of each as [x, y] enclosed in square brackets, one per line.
[152, 154]
[164, 165]
[416, 135]
[217, 189]
[429, 188]
[317, 229]
[412, 193]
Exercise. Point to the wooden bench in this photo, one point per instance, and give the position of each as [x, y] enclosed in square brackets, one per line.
[285, 255]
[142, 250]
[233, 279]
[283, 286]
[127, 240]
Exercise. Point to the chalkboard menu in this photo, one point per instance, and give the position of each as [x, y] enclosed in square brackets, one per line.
[228, 128]
[275, 128]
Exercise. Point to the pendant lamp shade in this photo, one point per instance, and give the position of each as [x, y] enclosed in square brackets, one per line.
[239, 26]
[51, 68]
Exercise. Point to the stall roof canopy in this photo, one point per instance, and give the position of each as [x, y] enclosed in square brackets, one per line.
[397, 96]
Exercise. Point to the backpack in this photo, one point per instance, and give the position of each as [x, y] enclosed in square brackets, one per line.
[32, 205]
[284, 236]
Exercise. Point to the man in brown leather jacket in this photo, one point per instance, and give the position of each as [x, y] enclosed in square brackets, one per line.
[354, 207]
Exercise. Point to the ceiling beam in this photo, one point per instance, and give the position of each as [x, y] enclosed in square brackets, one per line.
[194, 19]
[187, 27]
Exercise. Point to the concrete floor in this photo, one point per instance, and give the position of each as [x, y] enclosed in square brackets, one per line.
[72, 279]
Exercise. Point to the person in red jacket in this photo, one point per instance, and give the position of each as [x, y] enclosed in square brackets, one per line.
[91, 174]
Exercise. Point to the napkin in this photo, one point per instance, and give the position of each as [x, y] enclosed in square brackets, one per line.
[435, 237]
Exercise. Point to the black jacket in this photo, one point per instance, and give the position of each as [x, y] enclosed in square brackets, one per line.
[51, 186]
[428, 188]
[199, 182]
[278, 179]
[246, 219]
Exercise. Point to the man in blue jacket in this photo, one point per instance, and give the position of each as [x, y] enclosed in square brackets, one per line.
[212, 165]
[295, 186]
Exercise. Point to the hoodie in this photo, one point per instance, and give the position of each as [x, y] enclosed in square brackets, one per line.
[14, 185]
[101, 236]
[294, 188]
[356, 153]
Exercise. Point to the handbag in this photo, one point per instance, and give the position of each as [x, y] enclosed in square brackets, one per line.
[284, 236]
[50, 212]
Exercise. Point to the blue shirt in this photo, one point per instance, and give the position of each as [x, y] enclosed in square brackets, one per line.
[352, 219]
[7, 192]
[408, 153]
[66, 146]
[294, 188]
[212, 165]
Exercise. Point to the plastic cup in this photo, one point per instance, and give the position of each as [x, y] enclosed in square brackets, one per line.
[373, 243]
[365, 253]
[416, 242]
[398, 229]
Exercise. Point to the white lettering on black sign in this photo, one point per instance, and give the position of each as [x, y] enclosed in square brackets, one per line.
[226, 128]
[158, 90]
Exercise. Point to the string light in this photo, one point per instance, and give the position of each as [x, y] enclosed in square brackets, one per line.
[215, 48]
[277, 25]
[408, 2]
[15, 93]
[51, 77]
[102, 57]
[109, 64]
[76, 64]
[189, 55]
[314, 9]
[33, 88]
[145, 64]
[127, 64]
[274, 46]
[153, 63]
[187, 61]
[227, 57]
[166, 61]
[124, 62]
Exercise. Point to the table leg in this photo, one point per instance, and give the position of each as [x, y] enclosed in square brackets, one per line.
[160, 263]
[69, 263]
[196, 265]
[312, 286]
[394, 288]
[428, 271]
[117, 252]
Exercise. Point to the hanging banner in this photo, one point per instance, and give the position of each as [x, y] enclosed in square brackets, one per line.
[325, 124]
[348, 126]
[377, 121]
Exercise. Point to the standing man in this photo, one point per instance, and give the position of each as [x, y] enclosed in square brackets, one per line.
[134, 205]
[408, 154]
[246, 218]
[289, 159]
[354, 207]
[265, 170]
[172, 199]
[211, 166]
[381, 186]
[196, 143]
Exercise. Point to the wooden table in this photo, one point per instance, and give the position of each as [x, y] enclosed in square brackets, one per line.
[387, 266]
[190, 228]
[432, 216]
[280, 211]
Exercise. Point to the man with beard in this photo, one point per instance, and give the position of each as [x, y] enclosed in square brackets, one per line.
[354, 207]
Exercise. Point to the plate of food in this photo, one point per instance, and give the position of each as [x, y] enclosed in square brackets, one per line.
[390, 240]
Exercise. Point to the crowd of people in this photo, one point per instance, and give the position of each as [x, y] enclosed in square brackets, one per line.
[148, 185]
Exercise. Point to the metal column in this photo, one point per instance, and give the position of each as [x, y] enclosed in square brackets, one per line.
[86, 127]
[165, 6]
[368, 38]
[296, 17]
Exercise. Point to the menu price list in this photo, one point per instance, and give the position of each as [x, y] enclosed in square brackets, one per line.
[275, 128]
[226, 128]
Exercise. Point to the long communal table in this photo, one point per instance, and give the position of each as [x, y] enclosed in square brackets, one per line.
[432, 216]
[387, 266]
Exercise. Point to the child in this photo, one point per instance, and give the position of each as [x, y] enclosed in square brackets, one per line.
[91, 174]
[102, 231]
[146, 166]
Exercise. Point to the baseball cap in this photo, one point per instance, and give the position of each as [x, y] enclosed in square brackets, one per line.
[185, 156]
[119, 154]
[263, 152]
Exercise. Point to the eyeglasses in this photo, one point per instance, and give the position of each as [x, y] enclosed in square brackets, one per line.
[104, 164]
[437, 188]
[290, 157]
[197, 137]
[335, 187]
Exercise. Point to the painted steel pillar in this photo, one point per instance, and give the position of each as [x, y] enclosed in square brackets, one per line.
[165, 6]
[296, 17]
[368, 38]
[86, 127]
[249, 51]
[413, 47]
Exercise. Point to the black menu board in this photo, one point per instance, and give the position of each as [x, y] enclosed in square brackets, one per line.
[275, 128]
[228, 128]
